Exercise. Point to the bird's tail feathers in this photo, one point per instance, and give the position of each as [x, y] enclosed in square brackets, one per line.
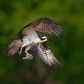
[13, 47]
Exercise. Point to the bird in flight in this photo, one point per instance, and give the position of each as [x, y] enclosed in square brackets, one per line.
[30, 41]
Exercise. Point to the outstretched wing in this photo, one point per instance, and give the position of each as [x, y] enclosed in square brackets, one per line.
[44, 25]
[45, 54]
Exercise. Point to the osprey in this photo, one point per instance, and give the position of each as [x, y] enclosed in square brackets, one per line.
[30, 41]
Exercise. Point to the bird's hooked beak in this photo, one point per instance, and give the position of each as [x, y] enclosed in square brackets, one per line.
[48, 39]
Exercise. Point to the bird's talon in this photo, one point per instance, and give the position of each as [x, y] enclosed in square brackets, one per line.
[19, 52]
[28, 57]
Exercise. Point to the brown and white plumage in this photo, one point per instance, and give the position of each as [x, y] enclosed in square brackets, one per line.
[44, 25]
[13, 47]
[43, 51]
[32, 42]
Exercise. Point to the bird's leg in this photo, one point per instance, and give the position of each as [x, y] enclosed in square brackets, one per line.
[19, 52]
[28, 56]
[21, 49]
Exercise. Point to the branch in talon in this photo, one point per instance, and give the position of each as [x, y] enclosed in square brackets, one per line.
[24, 58]
[28, 57]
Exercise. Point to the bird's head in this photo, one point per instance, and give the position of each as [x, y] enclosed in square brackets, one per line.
[44, 38]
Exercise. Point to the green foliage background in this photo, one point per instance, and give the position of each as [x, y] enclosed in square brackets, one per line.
[68, 48]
